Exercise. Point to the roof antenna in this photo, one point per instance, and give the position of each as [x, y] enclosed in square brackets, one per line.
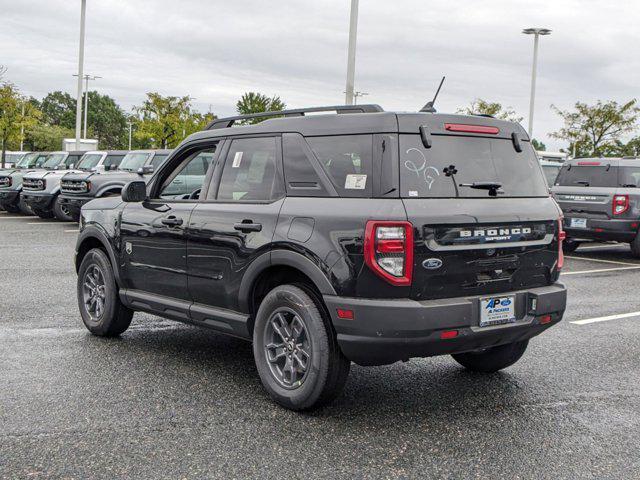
[429, 108]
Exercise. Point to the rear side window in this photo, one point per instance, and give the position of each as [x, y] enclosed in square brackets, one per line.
[113, 160]
[550, 173]
[249, 171]
[158, 160]
[300, 175]
[477, 160]
[347, 161]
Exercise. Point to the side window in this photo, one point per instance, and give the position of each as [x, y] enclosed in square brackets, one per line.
[158, 160]
[189, 176]
[250, 170]
[301, 177]
[72, 160]
[347, 161]
[113, 160]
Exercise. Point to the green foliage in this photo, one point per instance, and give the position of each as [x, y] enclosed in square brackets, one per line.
[594, 130]
[163, 122]
[253, 102]
[482, 107]
[16, 112]
[42, 137]
[537, 145]
[59, 108]
[106, 122]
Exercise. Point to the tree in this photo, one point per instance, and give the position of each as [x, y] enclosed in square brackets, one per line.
[165, 121]
[59, 108]
[15, 113]
[42, 137]
[106, 121]
[594, 130]
[252, 102]
[537, 145]
[482, 107]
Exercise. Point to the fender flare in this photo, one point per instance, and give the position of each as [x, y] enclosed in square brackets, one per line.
[108, 187]
[285, 258]
[93, 232]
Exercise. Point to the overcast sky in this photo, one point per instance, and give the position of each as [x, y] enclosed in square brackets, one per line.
[215, 50]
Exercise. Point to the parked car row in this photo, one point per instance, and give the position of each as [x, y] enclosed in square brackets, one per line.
[57, 184]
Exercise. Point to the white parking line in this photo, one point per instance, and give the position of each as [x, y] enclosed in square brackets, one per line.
[75, 231]
[599, 270]
[7, 218]
[47, 223]
[606, 319]
[588, 259]
[597, 247]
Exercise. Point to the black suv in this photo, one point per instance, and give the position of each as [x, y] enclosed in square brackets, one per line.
[363, 236]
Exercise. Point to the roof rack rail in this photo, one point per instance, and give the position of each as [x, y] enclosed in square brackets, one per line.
[299, 112]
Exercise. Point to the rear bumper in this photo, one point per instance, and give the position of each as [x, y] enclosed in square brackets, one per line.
[597, 229]
[9, 197]
[74, 204]
[38, 200]
[385, 331]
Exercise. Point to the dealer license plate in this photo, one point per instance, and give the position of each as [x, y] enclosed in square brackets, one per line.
[497, 310]
[578, 223]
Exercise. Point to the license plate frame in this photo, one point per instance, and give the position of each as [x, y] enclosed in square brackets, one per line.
[497, 310]
[578, 223]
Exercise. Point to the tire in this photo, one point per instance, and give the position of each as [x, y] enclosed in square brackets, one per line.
[326, 369]
[12, 209]
[60, 211]
[43, 213]
[113, 318]
[570, 245]
[635, 246]
[24, 208]
[492, 359]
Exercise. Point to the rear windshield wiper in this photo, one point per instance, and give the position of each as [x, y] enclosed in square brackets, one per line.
[582, 182]
[493, 187]
[629, 185]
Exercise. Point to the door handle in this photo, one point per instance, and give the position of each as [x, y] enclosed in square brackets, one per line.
[172, 221]
[247, 226]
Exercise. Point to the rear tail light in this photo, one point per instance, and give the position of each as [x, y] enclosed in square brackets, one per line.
[561, 236]
[388, 250]
[620, 204]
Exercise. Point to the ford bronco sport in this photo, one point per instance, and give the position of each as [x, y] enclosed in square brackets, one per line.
[41, 188]
[600, 198]
[364, 236]
[11, 182]
[137, 164]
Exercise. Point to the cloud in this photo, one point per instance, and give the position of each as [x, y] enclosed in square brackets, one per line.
[216, 50]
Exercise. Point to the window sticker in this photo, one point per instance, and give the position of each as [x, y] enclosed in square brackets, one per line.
[413, 193]
[236, 160]
[355, 181]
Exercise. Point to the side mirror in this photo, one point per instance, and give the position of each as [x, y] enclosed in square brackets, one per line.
[145, 170]
[135, 191]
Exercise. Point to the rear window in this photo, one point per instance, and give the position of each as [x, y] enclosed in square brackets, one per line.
[476, 159]
[598, 176]
[347, 161]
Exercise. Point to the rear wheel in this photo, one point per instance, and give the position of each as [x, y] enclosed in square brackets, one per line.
[570, 245]
[492, 359]
[295, 350]
[61, 211]
[100, 307]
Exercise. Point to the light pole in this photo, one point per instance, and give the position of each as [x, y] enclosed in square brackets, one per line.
[86, 98]
[130, 123]
[351, 56]
[358, 94]
[22, 127]
[83, 9]
[536, 32]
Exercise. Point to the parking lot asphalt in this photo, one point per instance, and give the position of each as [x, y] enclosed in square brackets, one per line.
[168, 400]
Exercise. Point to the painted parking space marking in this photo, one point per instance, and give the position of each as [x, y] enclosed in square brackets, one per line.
[69, 231]
[599, 270]
[48, 223]
[598, 247]
[589, 259]
[4, 217]
[587, 321]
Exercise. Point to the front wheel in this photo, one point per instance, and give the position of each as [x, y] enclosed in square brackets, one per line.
[43, 213]
[61, 211]
[100, 307]
[24, 208]
[296, 351]
[492, 359]
[635, 246]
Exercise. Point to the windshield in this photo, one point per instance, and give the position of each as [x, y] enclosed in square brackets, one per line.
[551, 173]
[133, 161]
[480, 165]
[599, 176]
[89, 160]
[27, 160]
[54, 160]
[42, 157]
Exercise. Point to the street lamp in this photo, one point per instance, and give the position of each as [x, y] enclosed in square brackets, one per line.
[536, 32]
[351, 56]
[86, 98]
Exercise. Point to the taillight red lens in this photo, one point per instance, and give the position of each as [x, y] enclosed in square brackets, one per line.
[620, 204]
[388, 250]
[561, 236]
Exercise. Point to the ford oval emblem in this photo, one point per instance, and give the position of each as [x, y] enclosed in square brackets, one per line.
[432, 263]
